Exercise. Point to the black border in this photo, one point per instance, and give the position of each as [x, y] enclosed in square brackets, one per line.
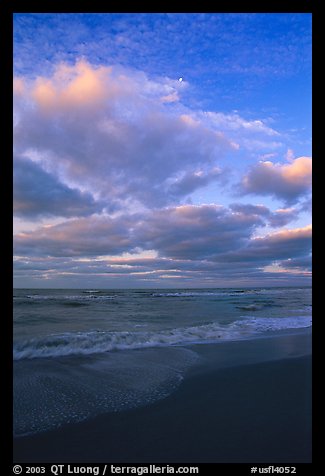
[7, 10]
[231, 6]
[6, 201]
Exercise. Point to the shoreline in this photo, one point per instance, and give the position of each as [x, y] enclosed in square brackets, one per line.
[245, 402]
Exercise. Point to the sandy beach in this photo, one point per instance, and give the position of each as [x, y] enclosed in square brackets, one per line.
[244, 402]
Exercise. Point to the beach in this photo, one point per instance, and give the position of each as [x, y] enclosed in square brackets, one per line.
[162, 241]
[243, 402]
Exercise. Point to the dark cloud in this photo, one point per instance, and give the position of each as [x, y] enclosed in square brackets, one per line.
[281, 245]
[279, 218]
[195, 232]
[194, 242]
[282, 217]
[248, 209]
[189, 231]
[301, 263]
[82, 237]
[38, 193]
[284, 244]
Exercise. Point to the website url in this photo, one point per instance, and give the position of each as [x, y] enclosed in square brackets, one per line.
[153, 469]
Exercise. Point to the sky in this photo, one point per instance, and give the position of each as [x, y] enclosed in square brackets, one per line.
[162, 150]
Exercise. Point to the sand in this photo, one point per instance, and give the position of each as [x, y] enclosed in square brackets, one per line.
[246, 402]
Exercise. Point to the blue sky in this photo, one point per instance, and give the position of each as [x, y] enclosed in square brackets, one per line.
[162, 150]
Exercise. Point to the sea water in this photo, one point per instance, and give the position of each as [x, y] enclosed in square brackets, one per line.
[80, 353]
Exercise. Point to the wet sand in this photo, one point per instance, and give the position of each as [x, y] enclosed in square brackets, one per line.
[245, 402]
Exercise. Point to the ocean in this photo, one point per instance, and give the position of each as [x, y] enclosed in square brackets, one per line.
[82, 353]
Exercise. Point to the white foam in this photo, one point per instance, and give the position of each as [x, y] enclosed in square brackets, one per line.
[102, 341]
[260, 324]
[187, 294]
[86, 297]
[48, 395]
[233, 293]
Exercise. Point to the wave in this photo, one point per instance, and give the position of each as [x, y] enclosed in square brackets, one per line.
[205, 293]
[261, 304]
[94, 342]
[186, 294]
[250, 307]
[262, 324]
[91, 296]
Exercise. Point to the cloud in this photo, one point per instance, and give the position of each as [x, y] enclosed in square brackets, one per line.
[186, 232]
[90, 236]
[280, 245]
[195, 232]
[228, 42]
[301, 263]
[108, 131]
[110, 143]
[183, 232]
[290, 155]
[234, 122]
[272, 259]
[306, 205]
[248, 209]
[279, 218]
[191, 181]
[282, 217]
[253, 135]
[285, 243]
[125, 138]
[38, 193]
[287, 182]
[78, 86]
[199, 243]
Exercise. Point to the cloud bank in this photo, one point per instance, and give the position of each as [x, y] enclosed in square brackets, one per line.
[190, 243]
[119, 158]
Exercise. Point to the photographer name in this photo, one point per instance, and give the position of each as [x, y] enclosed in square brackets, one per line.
[57, 469]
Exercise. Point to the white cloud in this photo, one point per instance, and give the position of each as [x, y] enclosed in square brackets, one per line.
[290, 155]
[107, 131]
[234, 122]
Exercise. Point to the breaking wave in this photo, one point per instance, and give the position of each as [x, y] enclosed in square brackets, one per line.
[93, 342]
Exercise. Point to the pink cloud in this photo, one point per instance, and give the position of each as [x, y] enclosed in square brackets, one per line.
[107, 131]
[71, 86]
[288, 235]
[288, 181]
[299, 171]
[18, 86]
